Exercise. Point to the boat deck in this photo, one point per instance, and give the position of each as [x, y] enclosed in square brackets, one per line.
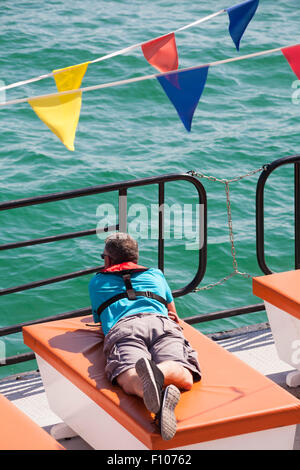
[253, 344]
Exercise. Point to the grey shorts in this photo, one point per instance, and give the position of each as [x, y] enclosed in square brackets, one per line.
[156, 337]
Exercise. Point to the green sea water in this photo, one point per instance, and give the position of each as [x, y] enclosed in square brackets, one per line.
[248, 115]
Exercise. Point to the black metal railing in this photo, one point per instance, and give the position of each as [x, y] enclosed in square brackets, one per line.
[122, 189]
[260, 249]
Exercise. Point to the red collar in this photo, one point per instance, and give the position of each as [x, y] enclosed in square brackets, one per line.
[122, 267]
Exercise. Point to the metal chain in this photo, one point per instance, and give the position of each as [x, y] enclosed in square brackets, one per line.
[226, 182]
[222, 180]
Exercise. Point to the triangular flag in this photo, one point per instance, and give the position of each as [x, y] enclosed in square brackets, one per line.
[239, 17]
[184, 90]
[61, 113]
[162, 53]
[292, 55]
[70, 78]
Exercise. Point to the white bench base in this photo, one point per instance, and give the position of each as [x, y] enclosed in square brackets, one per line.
[62, 431]
[101, 431]
[286, 333]
[293, 379]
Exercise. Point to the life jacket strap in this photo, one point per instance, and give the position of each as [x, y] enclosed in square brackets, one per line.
[129, 289]
[130, 294]
[123, 295]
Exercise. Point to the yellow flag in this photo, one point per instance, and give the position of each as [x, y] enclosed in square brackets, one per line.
[70, 78]
[61, 113]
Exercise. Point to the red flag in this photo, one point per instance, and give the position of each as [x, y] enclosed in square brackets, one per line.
[162, 53]
[292, 55]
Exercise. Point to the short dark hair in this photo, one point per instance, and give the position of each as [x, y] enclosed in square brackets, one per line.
[121, 247]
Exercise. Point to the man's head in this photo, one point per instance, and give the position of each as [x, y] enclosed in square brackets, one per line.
[120, 248]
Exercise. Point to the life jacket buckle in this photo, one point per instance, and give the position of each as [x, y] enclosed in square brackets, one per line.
[129, 289]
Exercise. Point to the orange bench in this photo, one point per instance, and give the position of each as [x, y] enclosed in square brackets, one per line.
[281, 295]
[19, 432]
[232, 407]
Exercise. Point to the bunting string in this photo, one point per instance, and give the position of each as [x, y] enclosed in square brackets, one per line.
[251, 6]
[60, 110]
[202, 20]
[135, 46]
[146, 77]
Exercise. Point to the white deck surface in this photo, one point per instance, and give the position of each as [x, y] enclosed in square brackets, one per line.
[254, 346]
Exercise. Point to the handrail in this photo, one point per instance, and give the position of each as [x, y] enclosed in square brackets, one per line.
[260, 253]
[122, 189]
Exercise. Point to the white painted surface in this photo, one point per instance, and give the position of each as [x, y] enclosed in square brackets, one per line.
[101, 431]
[286, 333]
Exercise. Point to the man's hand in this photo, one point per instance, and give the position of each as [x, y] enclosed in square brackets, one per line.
[172, 312]
[173, 316]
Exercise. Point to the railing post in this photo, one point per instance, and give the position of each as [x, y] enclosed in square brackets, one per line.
[297, 213]
[123, 210]
[161, 225]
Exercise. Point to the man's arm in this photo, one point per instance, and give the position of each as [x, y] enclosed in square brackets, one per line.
[172, 312]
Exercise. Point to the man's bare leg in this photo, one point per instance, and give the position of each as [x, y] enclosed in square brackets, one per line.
[147, 380]
[176, 374]
[173, 372]
[130, 382]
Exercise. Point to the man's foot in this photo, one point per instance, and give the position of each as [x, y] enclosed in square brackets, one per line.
[153, 380]
[166, 416]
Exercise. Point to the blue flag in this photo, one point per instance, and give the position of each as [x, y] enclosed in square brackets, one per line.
[184, 90]
[239, 18]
